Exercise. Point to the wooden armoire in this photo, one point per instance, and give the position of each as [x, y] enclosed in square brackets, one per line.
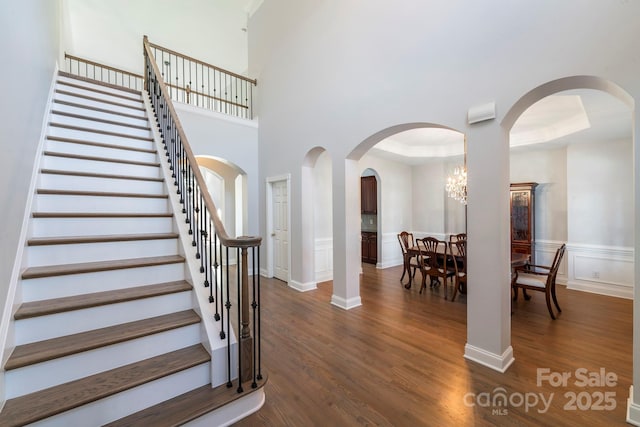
[523, 218]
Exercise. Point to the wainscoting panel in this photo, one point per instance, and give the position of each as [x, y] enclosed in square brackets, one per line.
[605, 270]
[324, 259]
[391, 254]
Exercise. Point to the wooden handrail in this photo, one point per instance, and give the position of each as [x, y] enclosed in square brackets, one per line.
[190, 91]
[106, 67]
[231, 73]
[237, 242]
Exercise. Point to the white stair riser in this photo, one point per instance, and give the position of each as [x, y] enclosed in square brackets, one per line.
[63, 203]
[131, 401]
[58, 371]
[89, 85]
[52, 227]
[97, 125]
[89, 252]
[72, 322]
[76, 284]
[98, 104]
[115, 143]
[88, 183]
[87, 135]
[131, 101]
[96, 151]
[141, 121]
[97, 166]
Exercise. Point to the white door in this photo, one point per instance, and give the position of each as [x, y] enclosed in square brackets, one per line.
[280, 231]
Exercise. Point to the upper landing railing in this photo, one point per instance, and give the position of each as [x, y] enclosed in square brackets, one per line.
[192, 81]
[188, 80]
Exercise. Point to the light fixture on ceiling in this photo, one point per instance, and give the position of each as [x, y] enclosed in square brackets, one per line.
[457, 185]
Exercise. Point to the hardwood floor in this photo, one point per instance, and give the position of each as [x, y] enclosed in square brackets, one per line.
[398, 360]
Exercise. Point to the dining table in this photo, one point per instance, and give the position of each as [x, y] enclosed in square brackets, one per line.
[517, 260]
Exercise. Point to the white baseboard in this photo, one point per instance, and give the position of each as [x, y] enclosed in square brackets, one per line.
[497, 362]
[302, 287]
[346, 304]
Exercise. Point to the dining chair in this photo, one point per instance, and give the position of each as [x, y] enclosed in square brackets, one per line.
[406, 243]
[459, 255]
[455, 237]
[539, 278]
[433, 259]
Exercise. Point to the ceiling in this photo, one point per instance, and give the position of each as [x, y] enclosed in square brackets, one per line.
[570, 117]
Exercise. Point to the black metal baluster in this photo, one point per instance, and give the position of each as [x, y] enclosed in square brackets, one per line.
[258, 338]
[218, 289]
[239, 266]
[228, 307]
[254, 306]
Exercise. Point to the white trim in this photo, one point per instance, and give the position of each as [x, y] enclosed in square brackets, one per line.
[302, 287]
[633, 409]
[269, 226]
[346, 304]
[494, 361]
[6, 330]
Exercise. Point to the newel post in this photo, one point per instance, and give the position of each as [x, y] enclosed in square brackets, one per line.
[246, 341]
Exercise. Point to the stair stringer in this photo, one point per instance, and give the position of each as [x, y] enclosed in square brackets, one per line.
[216, 346]
[7, 339]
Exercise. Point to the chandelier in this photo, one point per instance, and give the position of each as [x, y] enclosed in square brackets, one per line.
[457, 185]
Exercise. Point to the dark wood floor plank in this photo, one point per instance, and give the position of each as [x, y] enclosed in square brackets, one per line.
[37, 352]
[55, 400]
[398, 359]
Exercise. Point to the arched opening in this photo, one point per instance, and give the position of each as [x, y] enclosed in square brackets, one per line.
[411, 162]
[227, 185]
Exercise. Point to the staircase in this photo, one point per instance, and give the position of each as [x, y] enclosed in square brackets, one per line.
[105, 329]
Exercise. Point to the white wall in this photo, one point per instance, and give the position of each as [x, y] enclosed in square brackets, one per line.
[547, 167]
[110, 32]
[600, 203]
[233, 140]
[29, 45]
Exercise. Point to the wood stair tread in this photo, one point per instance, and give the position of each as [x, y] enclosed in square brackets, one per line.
[187, 407]
[42, 351]
[45, 403]
[99, 175]
[98, 109]
[102, 132]
[99, 120]
[78, 302]
[126, 95]
[100, 83]
[100, 100]
[99, 193]
[92, 267]
[100, 144]
[102, 214]
[68, 240]
[100, 159]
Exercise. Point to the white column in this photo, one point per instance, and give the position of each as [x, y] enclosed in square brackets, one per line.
[633, 403]
[489, 253]
[346, 235]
